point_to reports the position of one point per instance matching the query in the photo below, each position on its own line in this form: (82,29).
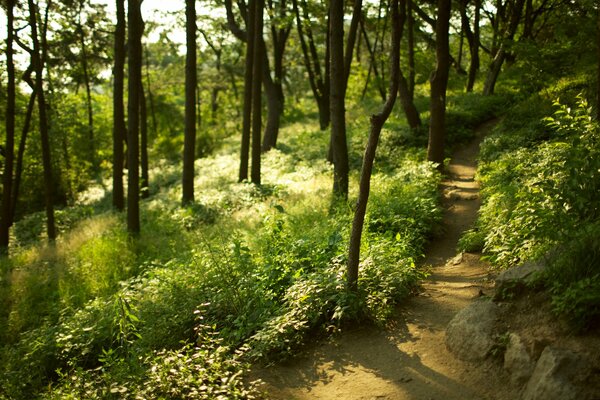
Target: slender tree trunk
(406,98)
(500,57)
(339,145)
(190,104)
(377,122)
(20,156)
(373,65)
(350,42)
(439,82)
(411,49)
(247,114)
(144,181)
(257,75)
(43,121)
(88,94)
(472,39)
(9,145)
(150,95)
(134,45)
(119,129)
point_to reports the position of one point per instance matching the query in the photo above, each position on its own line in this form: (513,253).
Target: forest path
(408,359)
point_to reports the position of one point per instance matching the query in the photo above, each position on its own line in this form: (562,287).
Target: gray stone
(554,376)
(516,279)
(470,334)
(517,360)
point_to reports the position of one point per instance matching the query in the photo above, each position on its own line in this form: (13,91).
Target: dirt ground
(408,359)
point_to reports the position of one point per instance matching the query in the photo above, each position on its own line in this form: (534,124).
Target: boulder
(554,376)
(516,279)
(517,360)
(470,334)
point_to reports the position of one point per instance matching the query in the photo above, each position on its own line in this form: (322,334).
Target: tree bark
(247,113)
(500,56)
(406,97)
(119,129)
(144,180)
(257,74)
(88,92)
(190,104)
(317,79)
(377,122)
(274,86)
(439,82)
(411,49)
(339,145)
(9,145)
(134,45)
(20,155)
(472,39)
(43,123)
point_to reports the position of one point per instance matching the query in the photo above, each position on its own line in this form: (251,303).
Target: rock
(554,376)
(516,279)
(517,360)
(470,334)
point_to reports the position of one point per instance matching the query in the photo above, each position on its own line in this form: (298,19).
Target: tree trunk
(9,145)
(472,39)
(439,82)
(134,45)
(257,75)
(377,122)
(339,145)
(247,114)
(356,17)
(119,129)
(88,94)
(189,146)
(144,181)
(317,79)
(150,95)
(372,65)
(411,49)
(406,98)
(500,56)
(21,155)
(43,121)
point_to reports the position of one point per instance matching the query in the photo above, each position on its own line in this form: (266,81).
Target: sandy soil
(408,359)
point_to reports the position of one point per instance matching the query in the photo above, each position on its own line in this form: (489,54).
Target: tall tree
(144,180)
(247,113)
(472,36)
(439,83)
(9,145)
(37,62)
(119,130)
(339,145)
(377,122)
(189,146)
(513,10)
(280,26)
(318,77)
(134,44)
(257,73)
(404,87)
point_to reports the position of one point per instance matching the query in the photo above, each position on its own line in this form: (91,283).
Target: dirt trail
(408,359)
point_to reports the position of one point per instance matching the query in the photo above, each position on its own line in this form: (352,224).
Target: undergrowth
(540,173)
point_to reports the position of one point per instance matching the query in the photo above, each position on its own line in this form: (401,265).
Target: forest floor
(408,358)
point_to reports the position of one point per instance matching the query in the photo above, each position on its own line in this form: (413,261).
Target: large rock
(554,376)
(517,360)
(470,334)
(516,279)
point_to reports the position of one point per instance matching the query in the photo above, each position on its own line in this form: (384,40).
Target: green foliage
(573,277)
(472,241)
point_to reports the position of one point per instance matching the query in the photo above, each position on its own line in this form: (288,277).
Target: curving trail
(408,359)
